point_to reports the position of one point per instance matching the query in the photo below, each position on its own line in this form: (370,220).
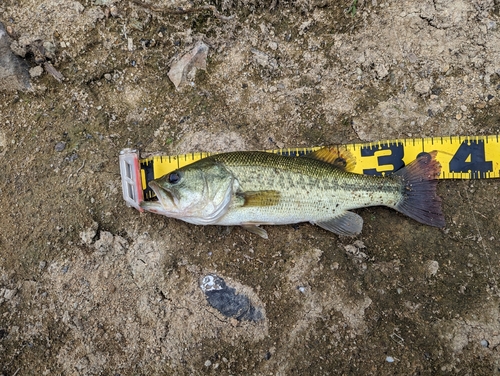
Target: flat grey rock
(14,73)
(227,301)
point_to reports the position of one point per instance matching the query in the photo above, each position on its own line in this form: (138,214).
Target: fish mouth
(165,197)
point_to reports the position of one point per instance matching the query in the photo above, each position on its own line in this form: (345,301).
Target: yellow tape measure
(461,157)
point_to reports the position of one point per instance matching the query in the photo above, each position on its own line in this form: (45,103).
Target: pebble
(36,71)
(114,11)
(432,268)
(445,67)
(88,235)
(484,343)
(381,71)
(423,87)
(389,359)
(9,294)
(60,146)
(208,363)
(195,59)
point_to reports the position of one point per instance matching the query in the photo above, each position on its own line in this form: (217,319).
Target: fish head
(199,193)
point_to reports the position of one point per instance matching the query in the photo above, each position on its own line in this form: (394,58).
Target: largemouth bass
(251,189)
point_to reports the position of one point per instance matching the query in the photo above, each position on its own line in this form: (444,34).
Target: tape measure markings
(461,157)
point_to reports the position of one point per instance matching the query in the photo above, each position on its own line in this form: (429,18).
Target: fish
(253,188)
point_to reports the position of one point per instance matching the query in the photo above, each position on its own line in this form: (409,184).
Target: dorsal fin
(338,156)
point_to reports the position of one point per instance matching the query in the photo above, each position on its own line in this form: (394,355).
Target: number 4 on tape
(470,157)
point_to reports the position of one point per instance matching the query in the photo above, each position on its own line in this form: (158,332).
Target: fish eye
(174,177)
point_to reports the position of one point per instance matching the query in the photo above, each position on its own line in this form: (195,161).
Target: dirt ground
(89,286)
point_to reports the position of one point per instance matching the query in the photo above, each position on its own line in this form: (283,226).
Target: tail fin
(420,200)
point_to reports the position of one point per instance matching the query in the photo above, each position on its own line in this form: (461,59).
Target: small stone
(114,11)
(381,70)
(485,343)
(432,268)
(389,359)
(88,235)
(105,242)
(60,146)
(423,87)
(107,76)
(273,46)
(208,363)
(73,157)
(195,59)
(42,264)
(436,90)
(480,105)
(9,294)
(359,244)
(459,116)
(445,67)
(36,71)
(50,49)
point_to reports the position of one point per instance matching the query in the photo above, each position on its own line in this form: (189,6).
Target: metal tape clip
(131,178)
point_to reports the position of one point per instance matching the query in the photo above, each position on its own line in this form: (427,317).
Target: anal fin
(348,224)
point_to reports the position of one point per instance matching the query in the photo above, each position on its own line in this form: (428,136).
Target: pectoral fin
(348,224)
(260,198)
(256,230)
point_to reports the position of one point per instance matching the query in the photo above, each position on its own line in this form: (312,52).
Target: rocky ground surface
(89,286)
